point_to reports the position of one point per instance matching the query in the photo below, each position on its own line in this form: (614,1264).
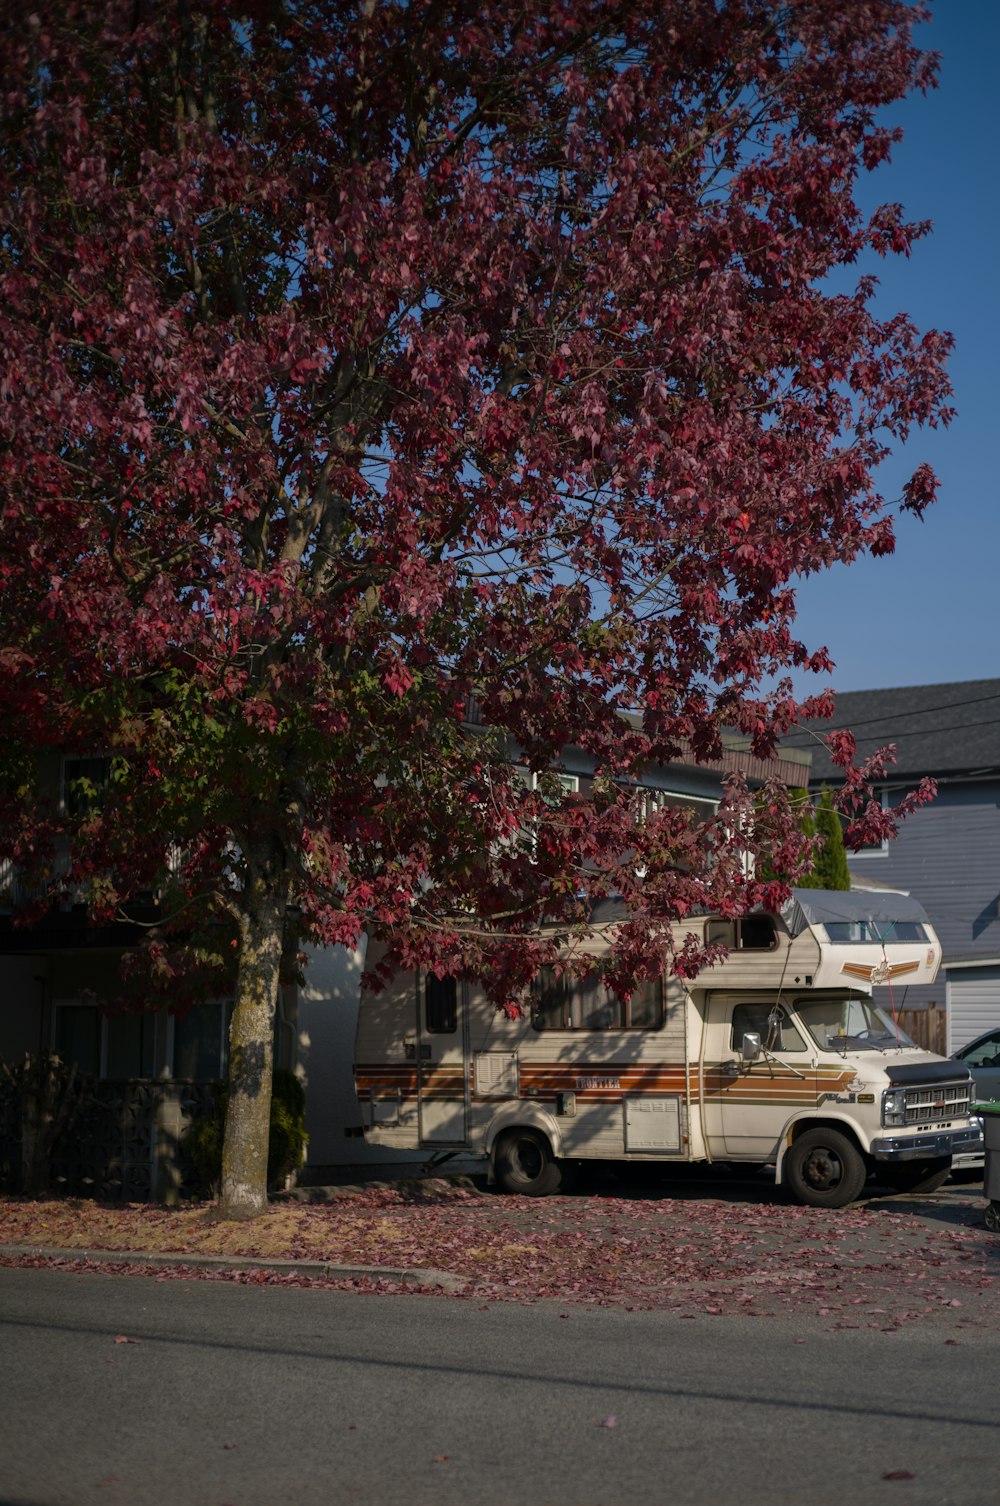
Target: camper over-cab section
(774,1055)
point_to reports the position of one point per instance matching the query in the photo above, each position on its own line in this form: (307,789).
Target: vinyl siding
(947,856)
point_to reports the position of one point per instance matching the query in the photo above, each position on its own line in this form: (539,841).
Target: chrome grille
(938,1101)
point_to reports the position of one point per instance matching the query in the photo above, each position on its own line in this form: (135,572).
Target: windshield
(854,1024)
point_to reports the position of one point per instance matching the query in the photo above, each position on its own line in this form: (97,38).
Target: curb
(406,1276)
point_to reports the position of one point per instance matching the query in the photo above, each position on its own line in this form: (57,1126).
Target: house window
(440,1005)
(874,849)
(77,1037)
(652,801)
(112,1046)
(553,787)
(549,782)
(569,1003)
(201,1042)
(128,1046)
(84,782)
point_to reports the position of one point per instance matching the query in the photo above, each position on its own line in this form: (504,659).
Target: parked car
(982,1057)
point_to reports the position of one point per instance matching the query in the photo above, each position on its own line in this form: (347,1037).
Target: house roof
(952,728)
(788,764)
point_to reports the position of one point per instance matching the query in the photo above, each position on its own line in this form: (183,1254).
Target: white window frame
(655,797)
(880,850)
(569,784)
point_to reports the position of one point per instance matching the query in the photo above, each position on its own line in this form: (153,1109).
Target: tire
(993,1217)
(824,1169)
(525,1164)
(918,1176)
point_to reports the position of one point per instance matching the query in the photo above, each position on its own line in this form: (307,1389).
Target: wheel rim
(823,1170)
(527,1158)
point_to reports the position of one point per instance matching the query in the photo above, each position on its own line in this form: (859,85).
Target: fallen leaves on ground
(865,1266)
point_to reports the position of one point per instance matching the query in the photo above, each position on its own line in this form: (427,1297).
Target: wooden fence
(926,1027)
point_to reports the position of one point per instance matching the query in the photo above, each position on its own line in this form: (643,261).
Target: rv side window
(779,1036)
(440,1005)
(843,932)
(752,933)
(549,999)
(592,1007)
(756,933)
(645,1008)
(721,933)
(586,1004)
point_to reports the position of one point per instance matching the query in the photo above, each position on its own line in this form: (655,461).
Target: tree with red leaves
(360,360)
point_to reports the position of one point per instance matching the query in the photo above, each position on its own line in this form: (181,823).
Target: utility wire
(894,716)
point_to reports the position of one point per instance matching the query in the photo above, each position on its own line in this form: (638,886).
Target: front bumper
(963,1142)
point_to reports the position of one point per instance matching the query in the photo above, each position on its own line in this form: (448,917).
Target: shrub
(287,1138)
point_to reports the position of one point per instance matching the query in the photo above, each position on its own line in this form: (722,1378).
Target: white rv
(776,1055)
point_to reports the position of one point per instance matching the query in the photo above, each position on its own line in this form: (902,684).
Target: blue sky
(928,613)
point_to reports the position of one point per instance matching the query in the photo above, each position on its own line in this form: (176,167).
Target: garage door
(973,999)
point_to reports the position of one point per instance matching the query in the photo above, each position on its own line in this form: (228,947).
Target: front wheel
(525,1164)
(918,1176)
(825,1169)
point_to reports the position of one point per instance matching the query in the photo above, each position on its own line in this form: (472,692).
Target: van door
(746,1105)
(442,1049)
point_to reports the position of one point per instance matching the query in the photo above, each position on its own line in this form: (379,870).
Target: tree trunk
(251,1034)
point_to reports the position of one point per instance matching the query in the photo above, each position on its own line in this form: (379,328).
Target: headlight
(894,1108)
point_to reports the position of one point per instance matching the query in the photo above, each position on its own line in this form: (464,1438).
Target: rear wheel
(917,1176)
(525,1164)
(825,1169)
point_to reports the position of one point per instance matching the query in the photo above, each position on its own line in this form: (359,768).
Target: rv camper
(775,1055)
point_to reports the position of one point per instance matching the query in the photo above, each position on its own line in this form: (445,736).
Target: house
(947,854)
(152,1072)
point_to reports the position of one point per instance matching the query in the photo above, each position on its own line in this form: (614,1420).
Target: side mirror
(750,1048)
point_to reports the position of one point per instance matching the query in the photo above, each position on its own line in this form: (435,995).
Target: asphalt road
(229,1395)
